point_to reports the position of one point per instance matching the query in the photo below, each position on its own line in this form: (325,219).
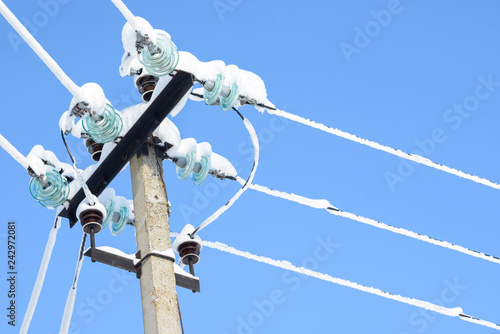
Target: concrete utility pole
(158,287)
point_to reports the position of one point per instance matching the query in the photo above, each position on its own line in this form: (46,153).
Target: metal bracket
(133,263)
(118,158)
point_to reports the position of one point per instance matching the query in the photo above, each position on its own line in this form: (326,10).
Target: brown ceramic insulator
(189,250)
(91,218)
(95,149)
(146,85)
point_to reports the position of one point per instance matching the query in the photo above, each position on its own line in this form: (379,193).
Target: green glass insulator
(184,172)
(213,95)
(229,102)
(164,59)
(118,220)
(53,193)
(199,177)
(107,128)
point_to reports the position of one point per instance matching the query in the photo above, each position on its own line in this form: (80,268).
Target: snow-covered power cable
(38,49)
(412,157)
(127,14)
(324,204)
(41,276)
(255,142)
(452,312)
(70,302)
(91,197)
(13,152)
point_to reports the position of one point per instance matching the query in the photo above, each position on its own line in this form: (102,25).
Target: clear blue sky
(393,83)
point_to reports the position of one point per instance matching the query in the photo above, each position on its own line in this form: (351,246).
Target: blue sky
(397,82)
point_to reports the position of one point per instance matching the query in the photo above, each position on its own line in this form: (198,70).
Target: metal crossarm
(159,109)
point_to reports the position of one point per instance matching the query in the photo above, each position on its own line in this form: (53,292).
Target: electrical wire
(91,197)
(225,207)
(127,14)
(35,294)
(180,316)
(38,49)
(70,302)
(324,204)
(412,157)
(452,312)
(13,152)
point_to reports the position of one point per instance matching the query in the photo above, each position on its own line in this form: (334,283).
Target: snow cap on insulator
(129,34)
(91,216)
(186,145)
(221,166)
(203,149)
(91,96)
(39,157)
(188,247)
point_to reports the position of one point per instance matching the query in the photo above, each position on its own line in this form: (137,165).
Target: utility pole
(158,288)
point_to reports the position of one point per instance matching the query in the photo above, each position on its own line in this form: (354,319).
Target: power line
(13,152)
(451,312)
(412,157)
(221,210)
(39,50)
(324,204)
(70,302)
(91,197)
(127,14)
(35,294)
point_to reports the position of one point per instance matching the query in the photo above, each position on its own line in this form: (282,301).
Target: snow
(74,187)
(203,71)
(185,236)
(416,236)
(84,205)
(66,122)
(412,157)
(37,288)
(161,84)
(92,94)
(70,302)
(313,203)
(37,165)
(38,155)
(82,180)
(479,322)
(221,166)
(13,152)
(167,132)
(133,25)
(324,204)
(249,84)
(224,208)
(39,50)
(178,270)
(109,195)
(187,145)
(116,252)
(130,64)
(203,149)
(77,129)
(452,312)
